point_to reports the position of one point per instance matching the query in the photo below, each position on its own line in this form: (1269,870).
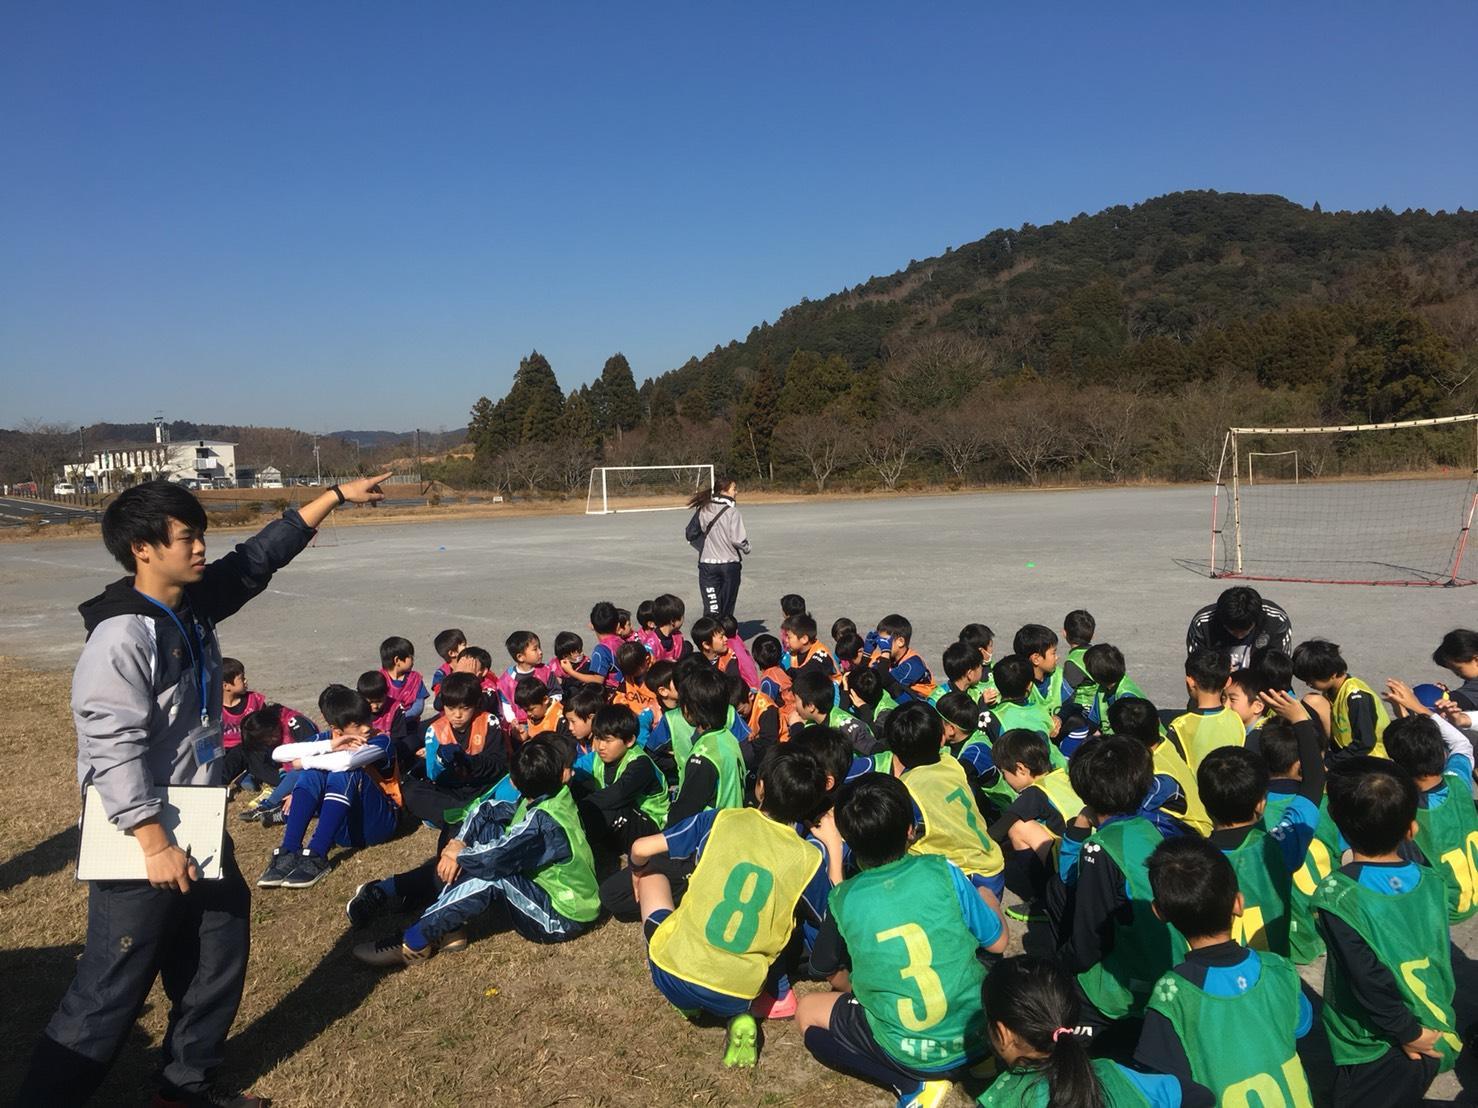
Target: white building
(121,465)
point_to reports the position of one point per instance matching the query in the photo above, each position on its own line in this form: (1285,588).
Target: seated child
(878,1024)
(713,645)
(792,604)
(1033,823)
(1227,1018)
(528,860)
(850,652)
(1036,1030)
(462,755)
(1037,646)
(864,693)
(1104,664)
(902,668)
(448,645)
(798,633)
(389,716)
(261,733)
(841,627)
(964,671)
(1014,708)
(605,621)
(1174,791)
(761,717)
(237,701)
(1357,718)
(541,712)
(1273,670)
(972,749)
(1388,984)
(634,663)
(1244,696)
(646,627)
(1458,653)
(573,666)
(774,680)
(478,662)
(348,780)
(983,639)
(668,611)
(713,774)
(629,798)
(1210,723)
(715,951)
(815,702)
(748,670)
(405,687)
(1078,628)
(528,661)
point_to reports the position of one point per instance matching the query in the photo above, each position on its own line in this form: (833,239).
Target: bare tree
(937,371)
(825,443)
(570,463)
(1200,416)
(960,435)
(528,464)
(42,451)
(1111,425)
(887,448)
(1027,432)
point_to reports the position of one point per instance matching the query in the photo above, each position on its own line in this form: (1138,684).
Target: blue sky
(362,214)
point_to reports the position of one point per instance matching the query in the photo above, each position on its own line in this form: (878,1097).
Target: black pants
(1391,1081)
(196,941)
(719,584)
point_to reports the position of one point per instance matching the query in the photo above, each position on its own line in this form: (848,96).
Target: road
(17,511)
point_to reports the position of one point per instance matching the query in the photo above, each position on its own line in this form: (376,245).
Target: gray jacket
(727,541)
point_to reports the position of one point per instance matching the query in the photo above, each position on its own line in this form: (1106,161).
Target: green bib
(1025,717)
(1243,1046)
(1407,932)
(1083,694)
(1304,941)
(914,968)
(654,804)
(1102,701)
(1052,698)
(571,885)
(1028,1088)
(1448,836)
(682,742)
(998,794)
(1267,888)
(1340,732)
(721,749)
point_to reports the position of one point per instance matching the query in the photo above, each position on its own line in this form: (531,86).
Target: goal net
(644,488)
(1368,504)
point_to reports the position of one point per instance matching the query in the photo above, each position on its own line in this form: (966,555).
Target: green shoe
(1026,912)
(741,1047)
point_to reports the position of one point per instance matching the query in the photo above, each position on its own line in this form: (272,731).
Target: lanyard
(197,654)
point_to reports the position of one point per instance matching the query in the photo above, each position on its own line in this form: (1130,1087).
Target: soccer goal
(644,488)
(1362,504)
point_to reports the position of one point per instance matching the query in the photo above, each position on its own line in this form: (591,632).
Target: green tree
(812,383)
(621,405)
(1394,369)
(755,420)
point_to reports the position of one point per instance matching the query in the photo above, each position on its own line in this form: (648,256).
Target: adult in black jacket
(1240,622)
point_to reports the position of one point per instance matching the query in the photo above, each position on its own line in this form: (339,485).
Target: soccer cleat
(1026,912)
(368,901)
(207,1098)
(274,817)
(309,870)
(278,870)
(741,1045)
(929,1094)
(391,952)
(250,814)
(768,1007)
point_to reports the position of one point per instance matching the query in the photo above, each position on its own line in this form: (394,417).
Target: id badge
(206,741)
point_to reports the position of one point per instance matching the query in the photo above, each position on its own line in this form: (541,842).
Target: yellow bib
(1339,717)
(1169,762)
(1059,791)
(1201,734)
(953,825)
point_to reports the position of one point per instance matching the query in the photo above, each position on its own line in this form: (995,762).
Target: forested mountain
(1111,345)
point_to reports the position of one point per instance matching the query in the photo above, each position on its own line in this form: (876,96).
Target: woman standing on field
(716,531)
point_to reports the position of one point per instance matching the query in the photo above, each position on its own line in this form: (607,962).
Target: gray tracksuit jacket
(727,541)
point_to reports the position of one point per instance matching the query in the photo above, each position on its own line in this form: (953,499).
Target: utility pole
(317,463)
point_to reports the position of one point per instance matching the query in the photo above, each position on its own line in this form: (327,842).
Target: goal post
(1368,504)
(644,488)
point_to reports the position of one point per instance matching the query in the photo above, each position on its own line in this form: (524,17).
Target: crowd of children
(778,810)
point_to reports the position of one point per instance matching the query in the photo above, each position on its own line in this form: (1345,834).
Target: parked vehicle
(64,488)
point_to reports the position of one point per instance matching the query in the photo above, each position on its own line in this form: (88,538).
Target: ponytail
(1035,999)
(703,497)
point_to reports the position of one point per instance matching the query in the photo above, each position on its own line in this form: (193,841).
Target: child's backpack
(696,534)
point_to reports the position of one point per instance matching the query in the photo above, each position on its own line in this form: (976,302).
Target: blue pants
(996,884)
(282,790)
(520,903)
(352,810)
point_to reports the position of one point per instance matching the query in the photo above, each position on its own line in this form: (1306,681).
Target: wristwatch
(337,492)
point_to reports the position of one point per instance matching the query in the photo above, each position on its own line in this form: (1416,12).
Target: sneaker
(929,1094)
(207,1098)
(390,952)
(278,870)
(369,901)
(250,814)
(453,942)
(1028,911)
(741,1045)
(310,870)
(768,1007)
(273,817)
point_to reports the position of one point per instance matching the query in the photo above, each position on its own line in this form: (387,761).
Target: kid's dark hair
(977,635)
(1194,886)
(792,604)
(659,674)
(395,648)
(915,734)
(142,514)
(703,695)
(1248,682)
(896,626)
(842,626)
(1279,747)
(703,630)
(738,690)
(1239,607)
(1317,660)
(867,684)
(262,729)
(1274,669)
(646,614)
(1034,638)
(1079,626)
(616,721)
(341,707)
(632,660)
(567,643)
(1013,676)
(447,641)
(1372,802)
(1027,747)
(729,625)
(802,625)
(960,709)
(794,783)
(830,747)
(874,814)
(538,767)
(604,617)
(518,642)
(1209,669)
(668,609)
(1415,744)
(849,646)
(372,685)
(1112,774)
(231,669)
(959,659)
(1456,646)
(584,701)
(623,617)
(814,688)
(1136,717)
(478,655)
(528,691)
(1104,663)
(1036,999)
(766,650)
(1232,782)
(461,690)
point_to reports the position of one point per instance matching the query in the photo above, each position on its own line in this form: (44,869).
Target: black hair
(977,635)
(792,604)
(814,688)
(1317,660)
(737,689)
(703,630)
(832,749)
(794,783)
(1456,646)
(393,648)
(1013,676)
(1033,638)
(704,697)
(567,643)
(340,706)
(585,701)
(1079,627)
(478,655)
(372,685)
(632,659)
(623,617)
(1194,886)
(1232,782)
(915,734)
(142,514)
(1248,682)
(849,645)
(659,674)
(1239,607)
(1415,744)
(1112,774)
(874,814)
(703,497)
(528,690)
(604,617)
(538,767)
(867,684)
(1372,802)
(1036,999)
(646,613)
(616,721)
(766,651)
(1020,744)
(1136,717)
(461,690)
(1274,669)
(446,640)
(1209,669)
(896,626)
(802,624)
(518,642)
(842,626)
(1279,747)
(668,609)
(1104,664)
(959,659)
(231,669)
(729,626)
(960,709)
(261,730)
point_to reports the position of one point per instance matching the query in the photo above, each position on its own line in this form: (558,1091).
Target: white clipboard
(194,815)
